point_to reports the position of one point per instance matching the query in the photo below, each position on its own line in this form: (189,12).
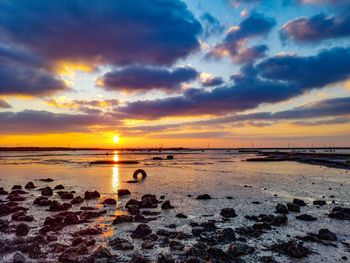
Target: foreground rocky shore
(47,222)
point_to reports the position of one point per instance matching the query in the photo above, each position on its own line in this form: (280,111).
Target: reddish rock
(46,191)
(67,196)
(71,219)
(56,206)
(29,185)
(22,229)
(18,192)
(22,216)
(91,195)
(109,201)
(16,198)
(77,200)
(123,192)
(42,201)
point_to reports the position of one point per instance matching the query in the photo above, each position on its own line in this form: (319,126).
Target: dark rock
(56,206)
(18,192)
(157,158)
(46,191)
(256,203)
(162,197)
(180,215)
(139,171)
(109,201)
(16,187)
(77,200)
(291,248)
(325,234)
(319,202)
(42,201)
(22,216)
(71,219)
(340,213)
(133,209)
(167,205)
(59,187)
(293,207)
(282,209)
(122,219)
(299,202)
(91,195)
(132,202)
(29,185)
(226,235)
(18,258)
(102,252)
(149,201)
(166,259)
(123,192)
(306,217)
(89,232)
(121,244)
(197,230)
(279,220)
(228,212)
(170,157)
(15,198)
(141,231)
(176,245)
(147,244)
(239,248)
(204,197)
(22,229)
(47,180)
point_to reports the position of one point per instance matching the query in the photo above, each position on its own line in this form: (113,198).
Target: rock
(166,259)
(226,235)
(122,219)
(149,201)
(167,205)
(46,191)
(109,201)
(293,207)
(197,230)
(56,206)
(306,217)
(67,196)
(141,231)
(180,215)
(239,248)
(102,252)
(123,192)
(42,201)
(22,229)
(170,157)
(147,244)
(132,202)
(176,245)
(89,232)
(325,234)
(47,180)
(133,209)
(139,171)
(29,185)
(121,244)
(340,213)
(204,197)
(282,209)
(16,187)
(22,216)
(228,212)
(279,220)
(18,258)
(319,202)
(77,200)
(91,195)
(3,192)
(157,158)
(132,181)
(59,187)
(18,192)
(299,202)
(16,198)
(76,241)
(291,248)
(71,219)
(256,203)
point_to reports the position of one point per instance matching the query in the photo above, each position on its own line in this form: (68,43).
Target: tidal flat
(199,206)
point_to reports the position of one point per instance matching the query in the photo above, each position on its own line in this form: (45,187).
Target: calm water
(218,173)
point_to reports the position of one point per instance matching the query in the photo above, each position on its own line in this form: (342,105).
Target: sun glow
(116,139)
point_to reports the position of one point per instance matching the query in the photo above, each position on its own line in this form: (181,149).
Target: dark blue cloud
(31,121)
(316,28)
(235,43)
(213,81)
(110,31)
(327,67)
(275,79)
(211,25)
(141,78)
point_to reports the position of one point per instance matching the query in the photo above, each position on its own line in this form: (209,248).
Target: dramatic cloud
(4,104)
(316,28)
(211,25)
(22,72)
(313,71)
(212,81)
(30,121)
(235,42)
(110,31)
(141,78)
(273,80)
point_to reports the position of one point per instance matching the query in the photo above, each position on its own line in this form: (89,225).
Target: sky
(175,73)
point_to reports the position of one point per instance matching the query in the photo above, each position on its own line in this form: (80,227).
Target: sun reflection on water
(115,173)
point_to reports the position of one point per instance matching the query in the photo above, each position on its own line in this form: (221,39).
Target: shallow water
(218,173)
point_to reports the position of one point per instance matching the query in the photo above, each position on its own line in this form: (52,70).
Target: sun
(116,138)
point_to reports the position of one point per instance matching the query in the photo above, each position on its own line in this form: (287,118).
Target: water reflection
(115,173)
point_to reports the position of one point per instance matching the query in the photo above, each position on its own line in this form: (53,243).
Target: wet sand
(250,189)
